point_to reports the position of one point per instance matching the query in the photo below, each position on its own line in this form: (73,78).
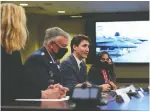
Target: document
(62,99)
(126,89)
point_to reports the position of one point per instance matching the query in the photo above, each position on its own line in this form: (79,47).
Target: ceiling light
(61,11)
(23,4)
(76,16)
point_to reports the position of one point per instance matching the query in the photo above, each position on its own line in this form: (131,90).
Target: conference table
(135,104)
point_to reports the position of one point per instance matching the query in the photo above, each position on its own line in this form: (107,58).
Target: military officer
(41,70)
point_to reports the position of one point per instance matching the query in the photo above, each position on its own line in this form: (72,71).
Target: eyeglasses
(56,44)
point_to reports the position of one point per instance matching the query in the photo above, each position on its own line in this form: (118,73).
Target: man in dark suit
(73,67)
(41,70)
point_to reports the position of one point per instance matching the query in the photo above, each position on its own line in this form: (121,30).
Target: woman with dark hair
(111,70)
(102,72)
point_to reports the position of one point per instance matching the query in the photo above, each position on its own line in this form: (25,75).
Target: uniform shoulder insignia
(42,53)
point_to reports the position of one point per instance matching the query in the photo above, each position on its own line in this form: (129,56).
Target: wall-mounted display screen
(125,41)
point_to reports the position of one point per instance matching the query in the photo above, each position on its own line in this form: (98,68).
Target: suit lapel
(74,64)
(76,68)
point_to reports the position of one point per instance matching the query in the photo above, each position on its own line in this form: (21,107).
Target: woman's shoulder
(14,55)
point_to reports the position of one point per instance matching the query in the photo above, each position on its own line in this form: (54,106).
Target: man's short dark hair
(76,40)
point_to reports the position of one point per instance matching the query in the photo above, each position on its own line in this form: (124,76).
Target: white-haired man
(42,78)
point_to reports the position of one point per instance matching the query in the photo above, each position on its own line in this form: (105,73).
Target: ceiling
(81,7)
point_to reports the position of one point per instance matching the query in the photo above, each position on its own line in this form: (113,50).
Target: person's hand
(55,85)
(54,92)
(105,87)
(113,85)
(63,90)
(80,84)
(88,84)
(51,93)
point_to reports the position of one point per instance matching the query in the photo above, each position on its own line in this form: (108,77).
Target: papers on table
(62,99)
(129,90)
(126,90)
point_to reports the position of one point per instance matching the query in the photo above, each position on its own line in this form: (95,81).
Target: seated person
(74,74)
(102,71)
(73,68)
(111,70)
(41,77)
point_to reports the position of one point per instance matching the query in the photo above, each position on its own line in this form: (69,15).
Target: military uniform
(40,71)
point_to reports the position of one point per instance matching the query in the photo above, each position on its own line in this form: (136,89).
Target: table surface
(135,104)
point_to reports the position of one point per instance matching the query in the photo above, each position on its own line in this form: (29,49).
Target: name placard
(124,96)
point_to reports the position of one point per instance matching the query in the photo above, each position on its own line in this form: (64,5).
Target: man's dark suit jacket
(70,72)
(39,72)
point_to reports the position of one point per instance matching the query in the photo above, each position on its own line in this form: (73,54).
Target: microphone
(84,85)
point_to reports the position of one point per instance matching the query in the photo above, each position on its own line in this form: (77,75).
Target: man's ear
(74,47)
(50,44)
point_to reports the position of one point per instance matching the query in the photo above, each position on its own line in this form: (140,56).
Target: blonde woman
(13,38)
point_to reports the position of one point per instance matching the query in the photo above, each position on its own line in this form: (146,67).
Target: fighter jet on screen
(117,45)
(143,40)
(132,40)
(113,45)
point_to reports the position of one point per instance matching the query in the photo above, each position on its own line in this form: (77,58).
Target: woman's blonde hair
(13,27)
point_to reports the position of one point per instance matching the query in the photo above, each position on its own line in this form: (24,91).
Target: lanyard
(105,76)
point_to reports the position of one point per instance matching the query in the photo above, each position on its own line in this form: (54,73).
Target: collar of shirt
(78,61)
